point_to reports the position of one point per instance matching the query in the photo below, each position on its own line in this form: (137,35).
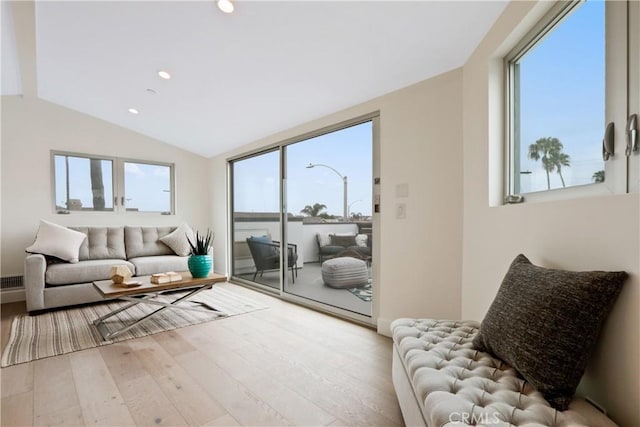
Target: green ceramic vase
(200,265)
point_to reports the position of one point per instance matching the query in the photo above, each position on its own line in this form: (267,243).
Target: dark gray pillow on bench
(545,322)
(344,241)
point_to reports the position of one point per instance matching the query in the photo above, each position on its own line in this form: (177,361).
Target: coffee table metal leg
(121,309)
(106,334)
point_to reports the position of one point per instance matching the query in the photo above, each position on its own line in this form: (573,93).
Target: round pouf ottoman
(345,272)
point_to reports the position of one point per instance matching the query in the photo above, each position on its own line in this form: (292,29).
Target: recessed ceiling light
(164,74)
(225,5)
(133,111)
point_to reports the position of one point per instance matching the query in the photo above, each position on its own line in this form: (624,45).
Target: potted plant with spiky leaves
(201,261)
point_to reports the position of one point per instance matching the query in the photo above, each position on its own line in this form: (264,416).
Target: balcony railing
(301,232)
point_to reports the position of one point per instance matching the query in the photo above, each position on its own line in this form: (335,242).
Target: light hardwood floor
(286,365)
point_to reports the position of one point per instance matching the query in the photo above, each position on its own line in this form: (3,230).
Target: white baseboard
(384,327)
(12,295)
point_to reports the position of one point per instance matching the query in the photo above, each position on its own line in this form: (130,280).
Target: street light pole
(345,207)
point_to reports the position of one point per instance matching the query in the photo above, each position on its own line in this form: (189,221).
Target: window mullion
(119,180)
(616,92)
(634,87)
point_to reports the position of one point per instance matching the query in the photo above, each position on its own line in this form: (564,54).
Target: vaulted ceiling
(235,78)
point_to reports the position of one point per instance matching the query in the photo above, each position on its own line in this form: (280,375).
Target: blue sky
(148,187)
(349,151)
(562,96)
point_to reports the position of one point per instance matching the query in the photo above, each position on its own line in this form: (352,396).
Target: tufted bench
(441,380)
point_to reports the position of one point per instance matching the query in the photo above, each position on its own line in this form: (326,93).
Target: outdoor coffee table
(145,294)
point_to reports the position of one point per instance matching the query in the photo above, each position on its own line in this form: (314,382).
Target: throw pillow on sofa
(57,241)
(178,240)
(362,240)
(545,322)
(346,241)
(324,239)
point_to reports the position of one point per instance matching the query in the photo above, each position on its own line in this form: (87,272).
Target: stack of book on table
(169,276)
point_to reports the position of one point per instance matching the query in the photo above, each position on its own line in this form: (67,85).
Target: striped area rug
(64,331)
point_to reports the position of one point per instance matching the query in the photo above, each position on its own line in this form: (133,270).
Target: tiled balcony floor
(309,284)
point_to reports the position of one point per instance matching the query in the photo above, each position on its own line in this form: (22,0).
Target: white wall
(420,145)
(580,234)
(31,128)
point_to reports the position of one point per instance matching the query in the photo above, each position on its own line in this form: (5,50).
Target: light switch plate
(402,190)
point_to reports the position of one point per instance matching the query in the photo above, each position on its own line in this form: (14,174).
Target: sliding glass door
(255,200)
(303,222)
(329,216)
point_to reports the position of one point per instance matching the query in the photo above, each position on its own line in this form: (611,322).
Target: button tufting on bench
(450,376)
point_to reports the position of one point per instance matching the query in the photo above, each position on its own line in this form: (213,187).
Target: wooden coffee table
(145,294)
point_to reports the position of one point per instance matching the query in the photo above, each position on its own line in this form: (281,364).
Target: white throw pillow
(361,240)
(177,240)
(324,239)
(57,241)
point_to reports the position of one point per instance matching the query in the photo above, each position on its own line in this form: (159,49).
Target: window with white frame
(87,183)
(83,183)
(566,80)
(147,187)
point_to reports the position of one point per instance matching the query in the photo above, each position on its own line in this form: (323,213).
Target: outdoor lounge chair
(266,255)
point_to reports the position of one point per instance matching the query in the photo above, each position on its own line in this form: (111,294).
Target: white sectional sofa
(50,283)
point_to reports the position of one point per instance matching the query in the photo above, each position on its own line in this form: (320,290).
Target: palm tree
(549,152)
(561,159)
(598,176)
(314,210)
(97,186)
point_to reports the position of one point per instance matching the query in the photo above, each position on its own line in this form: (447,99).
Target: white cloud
(133,169)
(161,171)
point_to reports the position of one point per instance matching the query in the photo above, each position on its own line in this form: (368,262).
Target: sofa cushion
(332,250)
(83,272)
(102,243)
(145,241)
(545,322)
(178,240)
(57,241)
(159,264)
(345,241)
(362,250)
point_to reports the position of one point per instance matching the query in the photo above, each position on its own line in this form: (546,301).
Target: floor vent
(11,282)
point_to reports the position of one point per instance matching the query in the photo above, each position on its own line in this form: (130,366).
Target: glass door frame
(375,185)
(231,222)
